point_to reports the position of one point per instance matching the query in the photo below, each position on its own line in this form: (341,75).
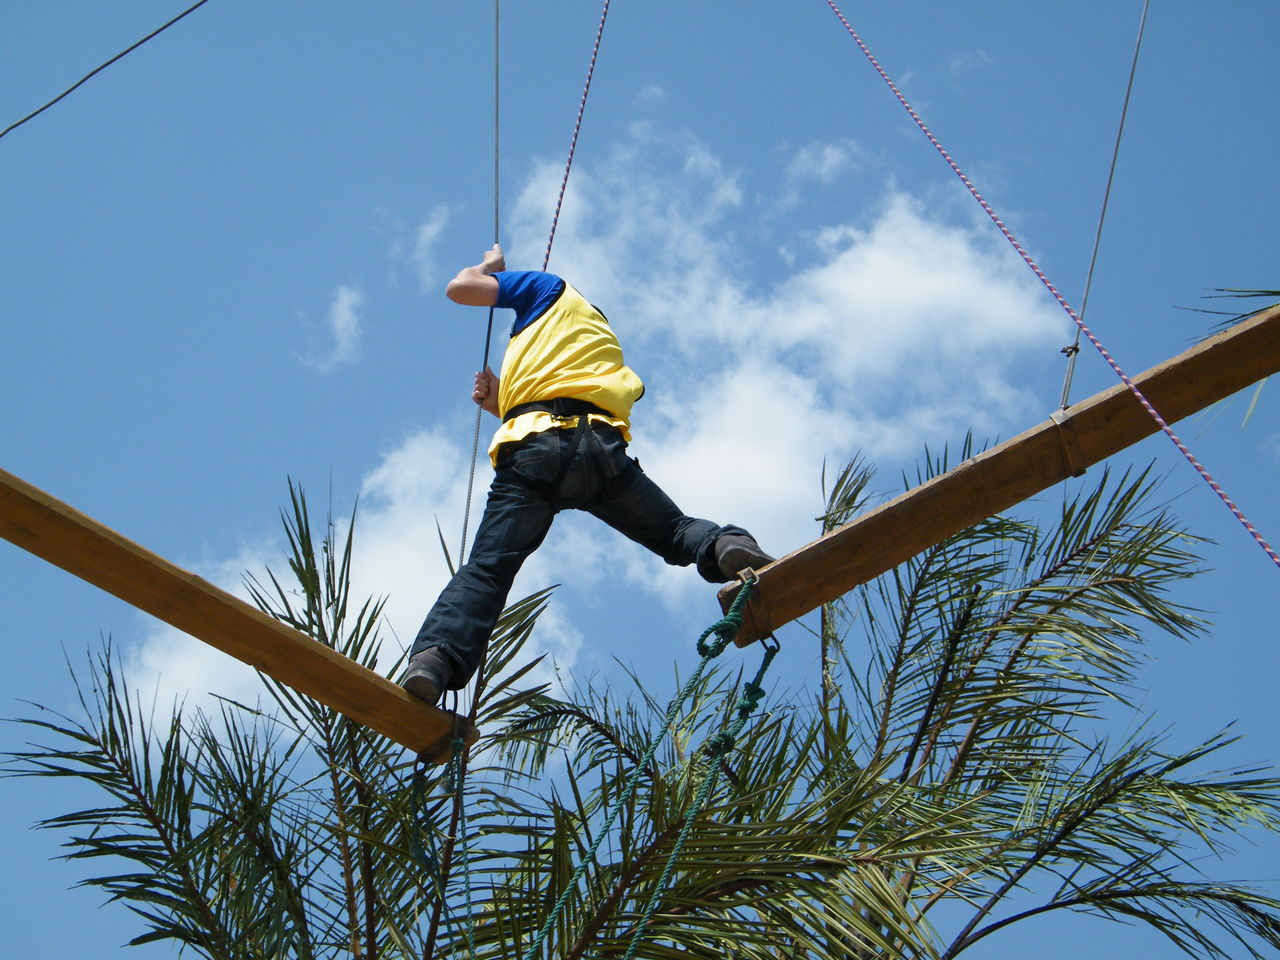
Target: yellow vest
(561,346)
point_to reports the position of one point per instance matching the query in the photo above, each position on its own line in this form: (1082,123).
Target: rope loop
(727,627)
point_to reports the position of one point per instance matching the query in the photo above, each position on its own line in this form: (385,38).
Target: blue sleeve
(528,292)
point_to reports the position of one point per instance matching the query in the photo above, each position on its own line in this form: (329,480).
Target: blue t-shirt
(530,293)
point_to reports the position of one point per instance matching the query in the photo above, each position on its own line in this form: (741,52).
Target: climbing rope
(577,126)
(456,773)
(497,238)
(724,631)
(555,219)
(1073,350)
(1062,302)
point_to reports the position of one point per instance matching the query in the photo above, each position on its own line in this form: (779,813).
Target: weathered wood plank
(1085,434)
(51,529)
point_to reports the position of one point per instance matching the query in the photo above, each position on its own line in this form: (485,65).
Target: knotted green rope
(724,631)
(718,746)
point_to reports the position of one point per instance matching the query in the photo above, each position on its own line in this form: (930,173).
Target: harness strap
(556,406)
(574,443)
(565,408)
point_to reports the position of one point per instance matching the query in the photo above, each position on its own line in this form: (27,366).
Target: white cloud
(886,334)
(821,162)
(425,239)
(969,60)
(908,302)
(343,326)
(657,195)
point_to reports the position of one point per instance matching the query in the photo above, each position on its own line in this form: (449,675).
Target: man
(564,399)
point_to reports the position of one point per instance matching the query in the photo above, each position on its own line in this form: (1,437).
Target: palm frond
(954,757)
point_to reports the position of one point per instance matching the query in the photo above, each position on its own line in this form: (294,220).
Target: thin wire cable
(577,126)
(1073,351)
(1062,302)
(497,206)
(97,70)
(497,125)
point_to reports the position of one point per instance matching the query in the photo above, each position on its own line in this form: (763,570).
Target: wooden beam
(67,538)
(1082,435)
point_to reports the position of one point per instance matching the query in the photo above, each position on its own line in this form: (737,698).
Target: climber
(564,399)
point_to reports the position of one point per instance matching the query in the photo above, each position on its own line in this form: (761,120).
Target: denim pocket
(536,459)
(609,453)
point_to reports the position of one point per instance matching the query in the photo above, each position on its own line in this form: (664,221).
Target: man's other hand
(485,391)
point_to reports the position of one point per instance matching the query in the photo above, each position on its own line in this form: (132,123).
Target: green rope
(718,747)
(724,630)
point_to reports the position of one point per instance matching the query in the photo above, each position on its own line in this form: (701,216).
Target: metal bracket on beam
(1070,442)
(755,616)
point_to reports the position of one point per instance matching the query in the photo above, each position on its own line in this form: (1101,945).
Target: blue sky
(224,257)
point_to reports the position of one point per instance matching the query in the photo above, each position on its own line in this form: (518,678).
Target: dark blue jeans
(536,479)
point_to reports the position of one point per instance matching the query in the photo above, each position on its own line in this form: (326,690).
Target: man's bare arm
(475,286)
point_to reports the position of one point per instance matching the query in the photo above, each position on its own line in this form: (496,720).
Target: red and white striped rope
(1008,235)
(577,126)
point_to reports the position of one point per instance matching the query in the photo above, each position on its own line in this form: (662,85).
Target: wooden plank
(49,528)
(996,479)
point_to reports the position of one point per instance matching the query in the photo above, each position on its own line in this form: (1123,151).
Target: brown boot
(428,674)
(736,552)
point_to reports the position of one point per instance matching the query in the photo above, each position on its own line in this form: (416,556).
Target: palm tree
(948,777)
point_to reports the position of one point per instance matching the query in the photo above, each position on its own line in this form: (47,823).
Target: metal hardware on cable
(1073,351)
(1062,301)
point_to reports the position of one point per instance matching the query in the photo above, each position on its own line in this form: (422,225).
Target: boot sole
(422,687)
